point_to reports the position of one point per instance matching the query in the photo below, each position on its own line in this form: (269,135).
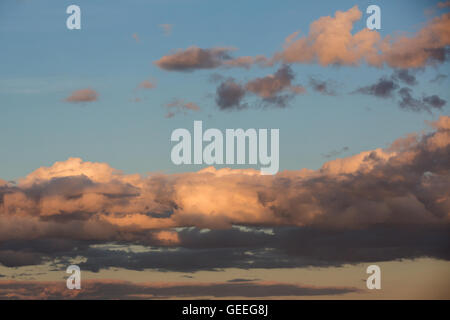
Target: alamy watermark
(237,143)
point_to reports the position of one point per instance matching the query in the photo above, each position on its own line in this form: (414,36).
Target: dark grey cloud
(427,103)
(275,90)
(335,153)
(324,87)
(406,76)
(229,95)
(384,88)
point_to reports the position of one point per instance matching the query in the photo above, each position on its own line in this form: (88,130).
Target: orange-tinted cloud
(147,84)
(83,95)
(332,41)
(402,191)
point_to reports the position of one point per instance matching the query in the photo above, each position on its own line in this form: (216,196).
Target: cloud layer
(109,289)
(381,204)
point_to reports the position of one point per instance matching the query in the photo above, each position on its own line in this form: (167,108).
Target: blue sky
(43,62)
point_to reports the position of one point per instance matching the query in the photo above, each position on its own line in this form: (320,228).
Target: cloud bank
(378,205)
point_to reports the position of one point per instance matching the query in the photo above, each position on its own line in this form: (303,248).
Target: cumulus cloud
(379,205)
(114,289)
(82,95)
(330,41)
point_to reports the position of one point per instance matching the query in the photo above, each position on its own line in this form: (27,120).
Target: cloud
(428,46)
(406,76)
(229,95)
(269,86)
(114,289)
(330,42)
(443,4)
(83,95)
(335,153)
(194,58)
(274,90)
(324,87)
(180,106)
(378,205)
(147,84)
(427,103)
(166,28)
(384,88)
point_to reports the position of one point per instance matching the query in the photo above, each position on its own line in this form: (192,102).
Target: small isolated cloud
(324,87)
(166,28)
(427,103)
(180,106)
(83,95)
(147,84)
(384,88)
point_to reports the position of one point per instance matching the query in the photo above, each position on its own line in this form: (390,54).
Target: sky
(86,175)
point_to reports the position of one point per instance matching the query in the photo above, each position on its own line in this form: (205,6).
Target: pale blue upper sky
(42,62)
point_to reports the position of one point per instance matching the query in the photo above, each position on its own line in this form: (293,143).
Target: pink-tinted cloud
(401,191)
(83,95)
(194,58)
(331,40)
